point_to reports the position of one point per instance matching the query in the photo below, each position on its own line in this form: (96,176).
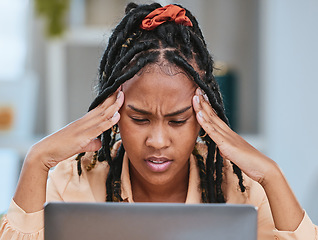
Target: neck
(174,191)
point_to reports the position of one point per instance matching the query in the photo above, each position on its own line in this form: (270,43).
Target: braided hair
(130,49)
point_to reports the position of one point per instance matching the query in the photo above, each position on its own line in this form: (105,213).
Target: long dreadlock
(130,49)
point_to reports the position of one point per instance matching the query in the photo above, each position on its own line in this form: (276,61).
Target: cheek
(186,136)
(125,128)
(192,129)
(130,136)
(194,132)
(123,125)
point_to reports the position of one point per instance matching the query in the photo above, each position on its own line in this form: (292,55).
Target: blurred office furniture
(18,106)
(227,80)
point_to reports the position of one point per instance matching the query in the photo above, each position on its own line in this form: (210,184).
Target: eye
(177,123)
(140,120)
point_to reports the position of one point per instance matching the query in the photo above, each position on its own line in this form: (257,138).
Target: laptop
(143,221)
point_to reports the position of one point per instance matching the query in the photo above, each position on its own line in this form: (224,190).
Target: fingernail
(205,97)
(200,114)
(115,114)
(197,99)
(118,94)
(200,91)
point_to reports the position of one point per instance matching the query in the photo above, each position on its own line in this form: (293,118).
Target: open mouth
(158,164)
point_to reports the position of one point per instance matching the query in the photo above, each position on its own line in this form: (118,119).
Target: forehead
(160,78)
(159,88)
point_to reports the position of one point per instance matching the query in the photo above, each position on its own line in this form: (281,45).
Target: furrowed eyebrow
(166,115)
(139,110)
(178,112)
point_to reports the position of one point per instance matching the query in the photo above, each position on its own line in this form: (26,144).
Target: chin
(159,180)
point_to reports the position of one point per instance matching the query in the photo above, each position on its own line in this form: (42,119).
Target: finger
(200,97)
(212,130)
(105,119)
(84,140)
(210,127)
(108,109)
(204,100)
(206,107)
(105,125)
(95,122)
(103,112)
(93,146)
(196,103)
(110,116)
(210,112)
(207,117)
(200,105)
(200,92)
(109,100)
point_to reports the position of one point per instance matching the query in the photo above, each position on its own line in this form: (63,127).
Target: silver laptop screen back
(155,221)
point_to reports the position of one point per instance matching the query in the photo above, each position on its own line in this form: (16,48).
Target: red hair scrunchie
(164,14)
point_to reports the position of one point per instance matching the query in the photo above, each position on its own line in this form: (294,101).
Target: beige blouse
(64,184)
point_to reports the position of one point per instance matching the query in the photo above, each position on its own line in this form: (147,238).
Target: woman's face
(158,125)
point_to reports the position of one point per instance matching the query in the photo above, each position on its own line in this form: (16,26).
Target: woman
(157,88)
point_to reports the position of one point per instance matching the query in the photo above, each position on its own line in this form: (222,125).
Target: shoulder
(65,183)
(68,167)
(254,193)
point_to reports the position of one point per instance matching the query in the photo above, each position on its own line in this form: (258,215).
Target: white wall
(289,67)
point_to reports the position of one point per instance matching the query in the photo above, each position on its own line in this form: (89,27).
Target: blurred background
(265,50)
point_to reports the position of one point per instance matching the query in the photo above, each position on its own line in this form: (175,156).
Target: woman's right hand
(80,135)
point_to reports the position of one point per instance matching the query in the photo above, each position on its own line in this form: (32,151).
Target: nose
(158,137)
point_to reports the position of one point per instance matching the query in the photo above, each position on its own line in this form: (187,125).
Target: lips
(158,164)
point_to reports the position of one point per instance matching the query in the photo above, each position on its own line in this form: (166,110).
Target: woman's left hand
(232,146)
(286,210)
